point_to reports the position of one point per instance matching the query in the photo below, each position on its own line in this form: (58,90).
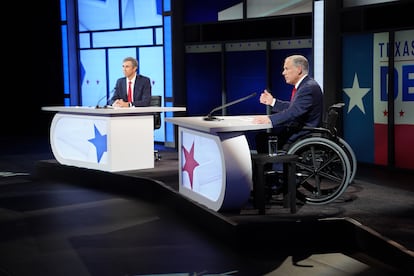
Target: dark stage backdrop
(203,76)
(245,74)
(244,71)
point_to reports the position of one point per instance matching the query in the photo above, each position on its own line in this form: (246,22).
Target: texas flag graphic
(365,93)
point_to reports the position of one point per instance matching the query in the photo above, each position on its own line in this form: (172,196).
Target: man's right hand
(120,103)
(266,98)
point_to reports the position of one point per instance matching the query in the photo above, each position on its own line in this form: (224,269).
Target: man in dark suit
(304,109)
(133,89)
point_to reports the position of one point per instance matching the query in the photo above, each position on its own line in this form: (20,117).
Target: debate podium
(107,139)
(215,167)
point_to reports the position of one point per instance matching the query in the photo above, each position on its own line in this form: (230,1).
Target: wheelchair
(326,163)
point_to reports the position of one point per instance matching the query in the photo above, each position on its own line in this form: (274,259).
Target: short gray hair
(299,60)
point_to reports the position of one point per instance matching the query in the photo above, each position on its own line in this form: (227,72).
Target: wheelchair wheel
(351,156)
(323,170)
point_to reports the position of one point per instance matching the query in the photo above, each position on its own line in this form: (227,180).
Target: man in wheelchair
(305,107)
(326,164)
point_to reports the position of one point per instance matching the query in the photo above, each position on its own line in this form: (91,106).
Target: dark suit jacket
(305,109)
(141,94)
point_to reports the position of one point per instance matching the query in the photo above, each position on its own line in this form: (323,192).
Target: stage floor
(60,220)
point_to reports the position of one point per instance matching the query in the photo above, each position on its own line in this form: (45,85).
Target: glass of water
(272,145)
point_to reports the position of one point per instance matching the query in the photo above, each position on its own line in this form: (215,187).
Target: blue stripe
(359,127)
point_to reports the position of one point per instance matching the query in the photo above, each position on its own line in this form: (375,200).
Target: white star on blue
(355,94)
(100,143)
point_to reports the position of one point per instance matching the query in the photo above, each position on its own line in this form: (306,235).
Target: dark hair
(133,60)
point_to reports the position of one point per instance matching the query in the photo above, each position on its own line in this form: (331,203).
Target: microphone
(212,118)
(100,100)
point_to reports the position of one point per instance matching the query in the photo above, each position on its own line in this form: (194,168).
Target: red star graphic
(385,113)
(190,163)
(402,113)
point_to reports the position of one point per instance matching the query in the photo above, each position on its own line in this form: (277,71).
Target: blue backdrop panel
(205,11)
(357,60)
(203,77)
(245,74)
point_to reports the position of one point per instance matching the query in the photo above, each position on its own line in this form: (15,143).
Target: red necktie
(129,92)
(293,93)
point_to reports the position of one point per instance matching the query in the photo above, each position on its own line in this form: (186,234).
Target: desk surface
(111,110)
(224,124)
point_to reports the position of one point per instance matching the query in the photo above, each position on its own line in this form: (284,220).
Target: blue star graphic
(100,143)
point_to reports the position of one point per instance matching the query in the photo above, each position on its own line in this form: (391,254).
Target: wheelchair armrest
(337,106)
(321,130)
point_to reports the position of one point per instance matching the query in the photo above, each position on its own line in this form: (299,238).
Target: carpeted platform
(319,229)
(62,220)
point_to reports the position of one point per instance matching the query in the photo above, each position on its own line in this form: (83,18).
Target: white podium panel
(103,143)
(215,170)
(215,167)
(108,139)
